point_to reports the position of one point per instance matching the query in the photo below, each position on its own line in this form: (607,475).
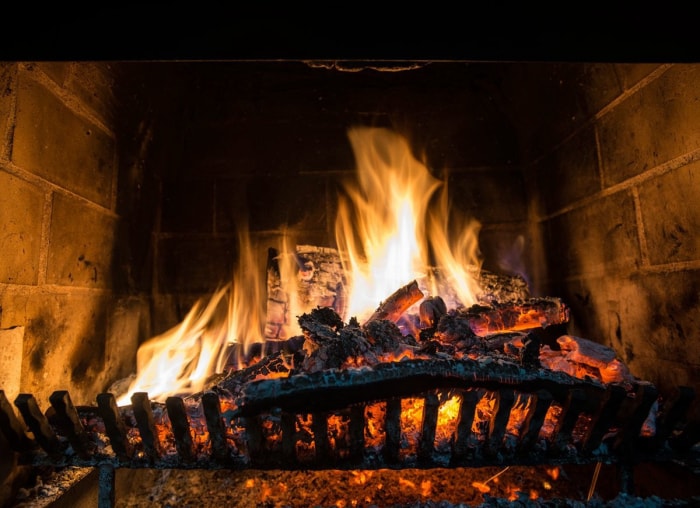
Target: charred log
(393,307)
(484,320)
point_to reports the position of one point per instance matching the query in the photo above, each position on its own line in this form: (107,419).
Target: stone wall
(60,274)
(615,184)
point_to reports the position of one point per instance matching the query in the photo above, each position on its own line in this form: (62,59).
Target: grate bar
(428,427)
(504,400)
(181,428)
(114,425)
(38,424)
(534,420)
(68,422)
(465,420)
(215,425)
(11,427)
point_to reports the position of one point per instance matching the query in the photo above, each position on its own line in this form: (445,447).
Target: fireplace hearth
(128,186)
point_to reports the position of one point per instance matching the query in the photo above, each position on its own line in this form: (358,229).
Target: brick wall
(616,184)
(60,274)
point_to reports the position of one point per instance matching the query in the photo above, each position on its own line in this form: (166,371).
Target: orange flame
(388,229)
(382,230)
(181,360)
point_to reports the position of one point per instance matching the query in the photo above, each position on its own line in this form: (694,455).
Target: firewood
(393,307)
(485,320)
(431,310)
(318,281)
(579,356)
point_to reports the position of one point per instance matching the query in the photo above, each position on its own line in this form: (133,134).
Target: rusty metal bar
(181,427)
(674,411)
(319,426)
(68,422)
(645,396)
(37,423)
(426,443)
(536,414)
(106,486)
(12,428)
(114,425)
(572,409)
(505,398)
(143,414)
(603,419)
(356,429)
(392,428)
(215,425)
(465,420)
(288,421)
(255,438)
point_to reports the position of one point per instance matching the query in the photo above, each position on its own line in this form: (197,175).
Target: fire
(181,360)
(393,226)
(389,226)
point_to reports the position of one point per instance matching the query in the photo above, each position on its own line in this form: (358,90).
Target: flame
(388,225)
(392,222)
(181,360)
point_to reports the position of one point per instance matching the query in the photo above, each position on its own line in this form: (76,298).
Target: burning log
(393,307)
(579,357)
(319,281)
(485,320)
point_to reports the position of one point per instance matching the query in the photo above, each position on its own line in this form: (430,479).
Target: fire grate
(292,423)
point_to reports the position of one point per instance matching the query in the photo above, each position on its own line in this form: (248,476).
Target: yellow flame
(389,224)
(181,360)
(389,228)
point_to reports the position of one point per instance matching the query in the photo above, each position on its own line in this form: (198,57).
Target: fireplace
(128,184)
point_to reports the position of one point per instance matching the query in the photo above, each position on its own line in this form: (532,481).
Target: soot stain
(43,329)
(37,357)
(89,355)
(89,265)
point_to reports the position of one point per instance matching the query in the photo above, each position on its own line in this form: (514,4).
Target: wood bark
(393,307)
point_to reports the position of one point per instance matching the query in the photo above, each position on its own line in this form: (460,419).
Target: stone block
(490,196)
(567,175)
(53,142)
(600,237)
(64,341)
(11,345)
(8,90)
(653,126)
(632,73)
(128,325)
(648,318)
(57,71)
(554,100)
(21,216)
(188,207)
(264,146)
(93,84)
(193,264)
(81,246)
(231,204)
(507,250)
(671,215)
(298,201)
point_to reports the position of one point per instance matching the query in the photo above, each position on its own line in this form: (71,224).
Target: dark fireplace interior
(126,186)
